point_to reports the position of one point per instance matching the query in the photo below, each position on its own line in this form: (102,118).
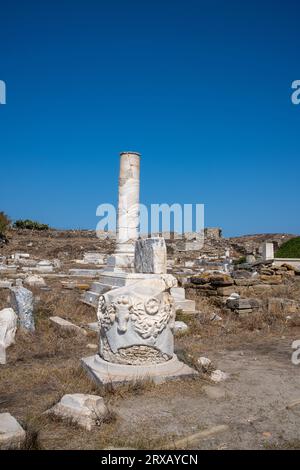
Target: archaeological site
(149,232)
(191,337)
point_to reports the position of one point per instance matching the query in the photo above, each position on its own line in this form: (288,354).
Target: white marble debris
(233,296)
(180,326)
(17,256)
(34,280)
(5,284)
(93,257)
(92,346)
(204,362)
(85,410)
(67,325)
(218,376)
(45,266)
(214,317)
(8,328)
(22,302)
(150,256)
(94,326)
(12,435)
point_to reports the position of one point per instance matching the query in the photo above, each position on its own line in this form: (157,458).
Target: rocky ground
(256,407)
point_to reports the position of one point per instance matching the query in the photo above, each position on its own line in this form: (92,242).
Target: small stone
(234,296)
(180,326)
(85,410)
(12,435)
(214,317)
(94,326)
(92,346)
(204,362)
(218,376)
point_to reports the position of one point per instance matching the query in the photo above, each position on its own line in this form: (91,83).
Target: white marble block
(151,256)
(8,328)
(84,410)
(268,251)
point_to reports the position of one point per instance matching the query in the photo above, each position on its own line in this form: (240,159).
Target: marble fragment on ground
(12,435)
(84,410)
(8,328)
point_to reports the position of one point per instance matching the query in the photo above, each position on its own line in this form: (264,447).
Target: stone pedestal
(136,334)
(103,372)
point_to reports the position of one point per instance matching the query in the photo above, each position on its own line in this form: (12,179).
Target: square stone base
(103,372)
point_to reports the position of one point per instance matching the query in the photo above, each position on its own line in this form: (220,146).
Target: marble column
(128,212)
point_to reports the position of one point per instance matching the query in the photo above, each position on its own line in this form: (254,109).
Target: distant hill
(289,249)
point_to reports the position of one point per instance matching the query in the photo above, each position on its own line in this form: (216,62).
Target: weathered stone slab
(8,269)
(94,257)
(85,272)
(22,302)
(85,410)
(151,256)
(12,435)
(239,304)
(66,325)
(246,282)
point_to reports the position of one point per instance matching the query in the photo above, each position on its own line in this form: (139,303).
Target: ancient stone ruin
(136,310)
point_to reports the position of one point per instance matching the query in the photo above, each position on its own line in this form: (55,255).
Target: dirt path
(262,382)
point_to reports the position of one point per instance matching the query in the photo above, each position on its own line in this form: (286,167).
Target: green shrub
(4,223)
(289,249)
(30,225)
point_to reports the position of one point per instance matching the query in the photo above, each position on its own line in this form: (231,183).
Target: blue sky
(201,88)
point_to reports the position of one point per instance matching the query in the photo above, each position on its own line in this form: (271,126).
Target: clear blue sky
(200,88)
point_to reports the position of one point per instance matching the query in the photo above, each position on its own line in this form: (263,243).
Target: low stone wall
(294,262)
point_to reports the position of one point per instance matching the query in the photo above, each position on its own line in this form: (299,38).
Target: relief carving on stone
(135,329)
